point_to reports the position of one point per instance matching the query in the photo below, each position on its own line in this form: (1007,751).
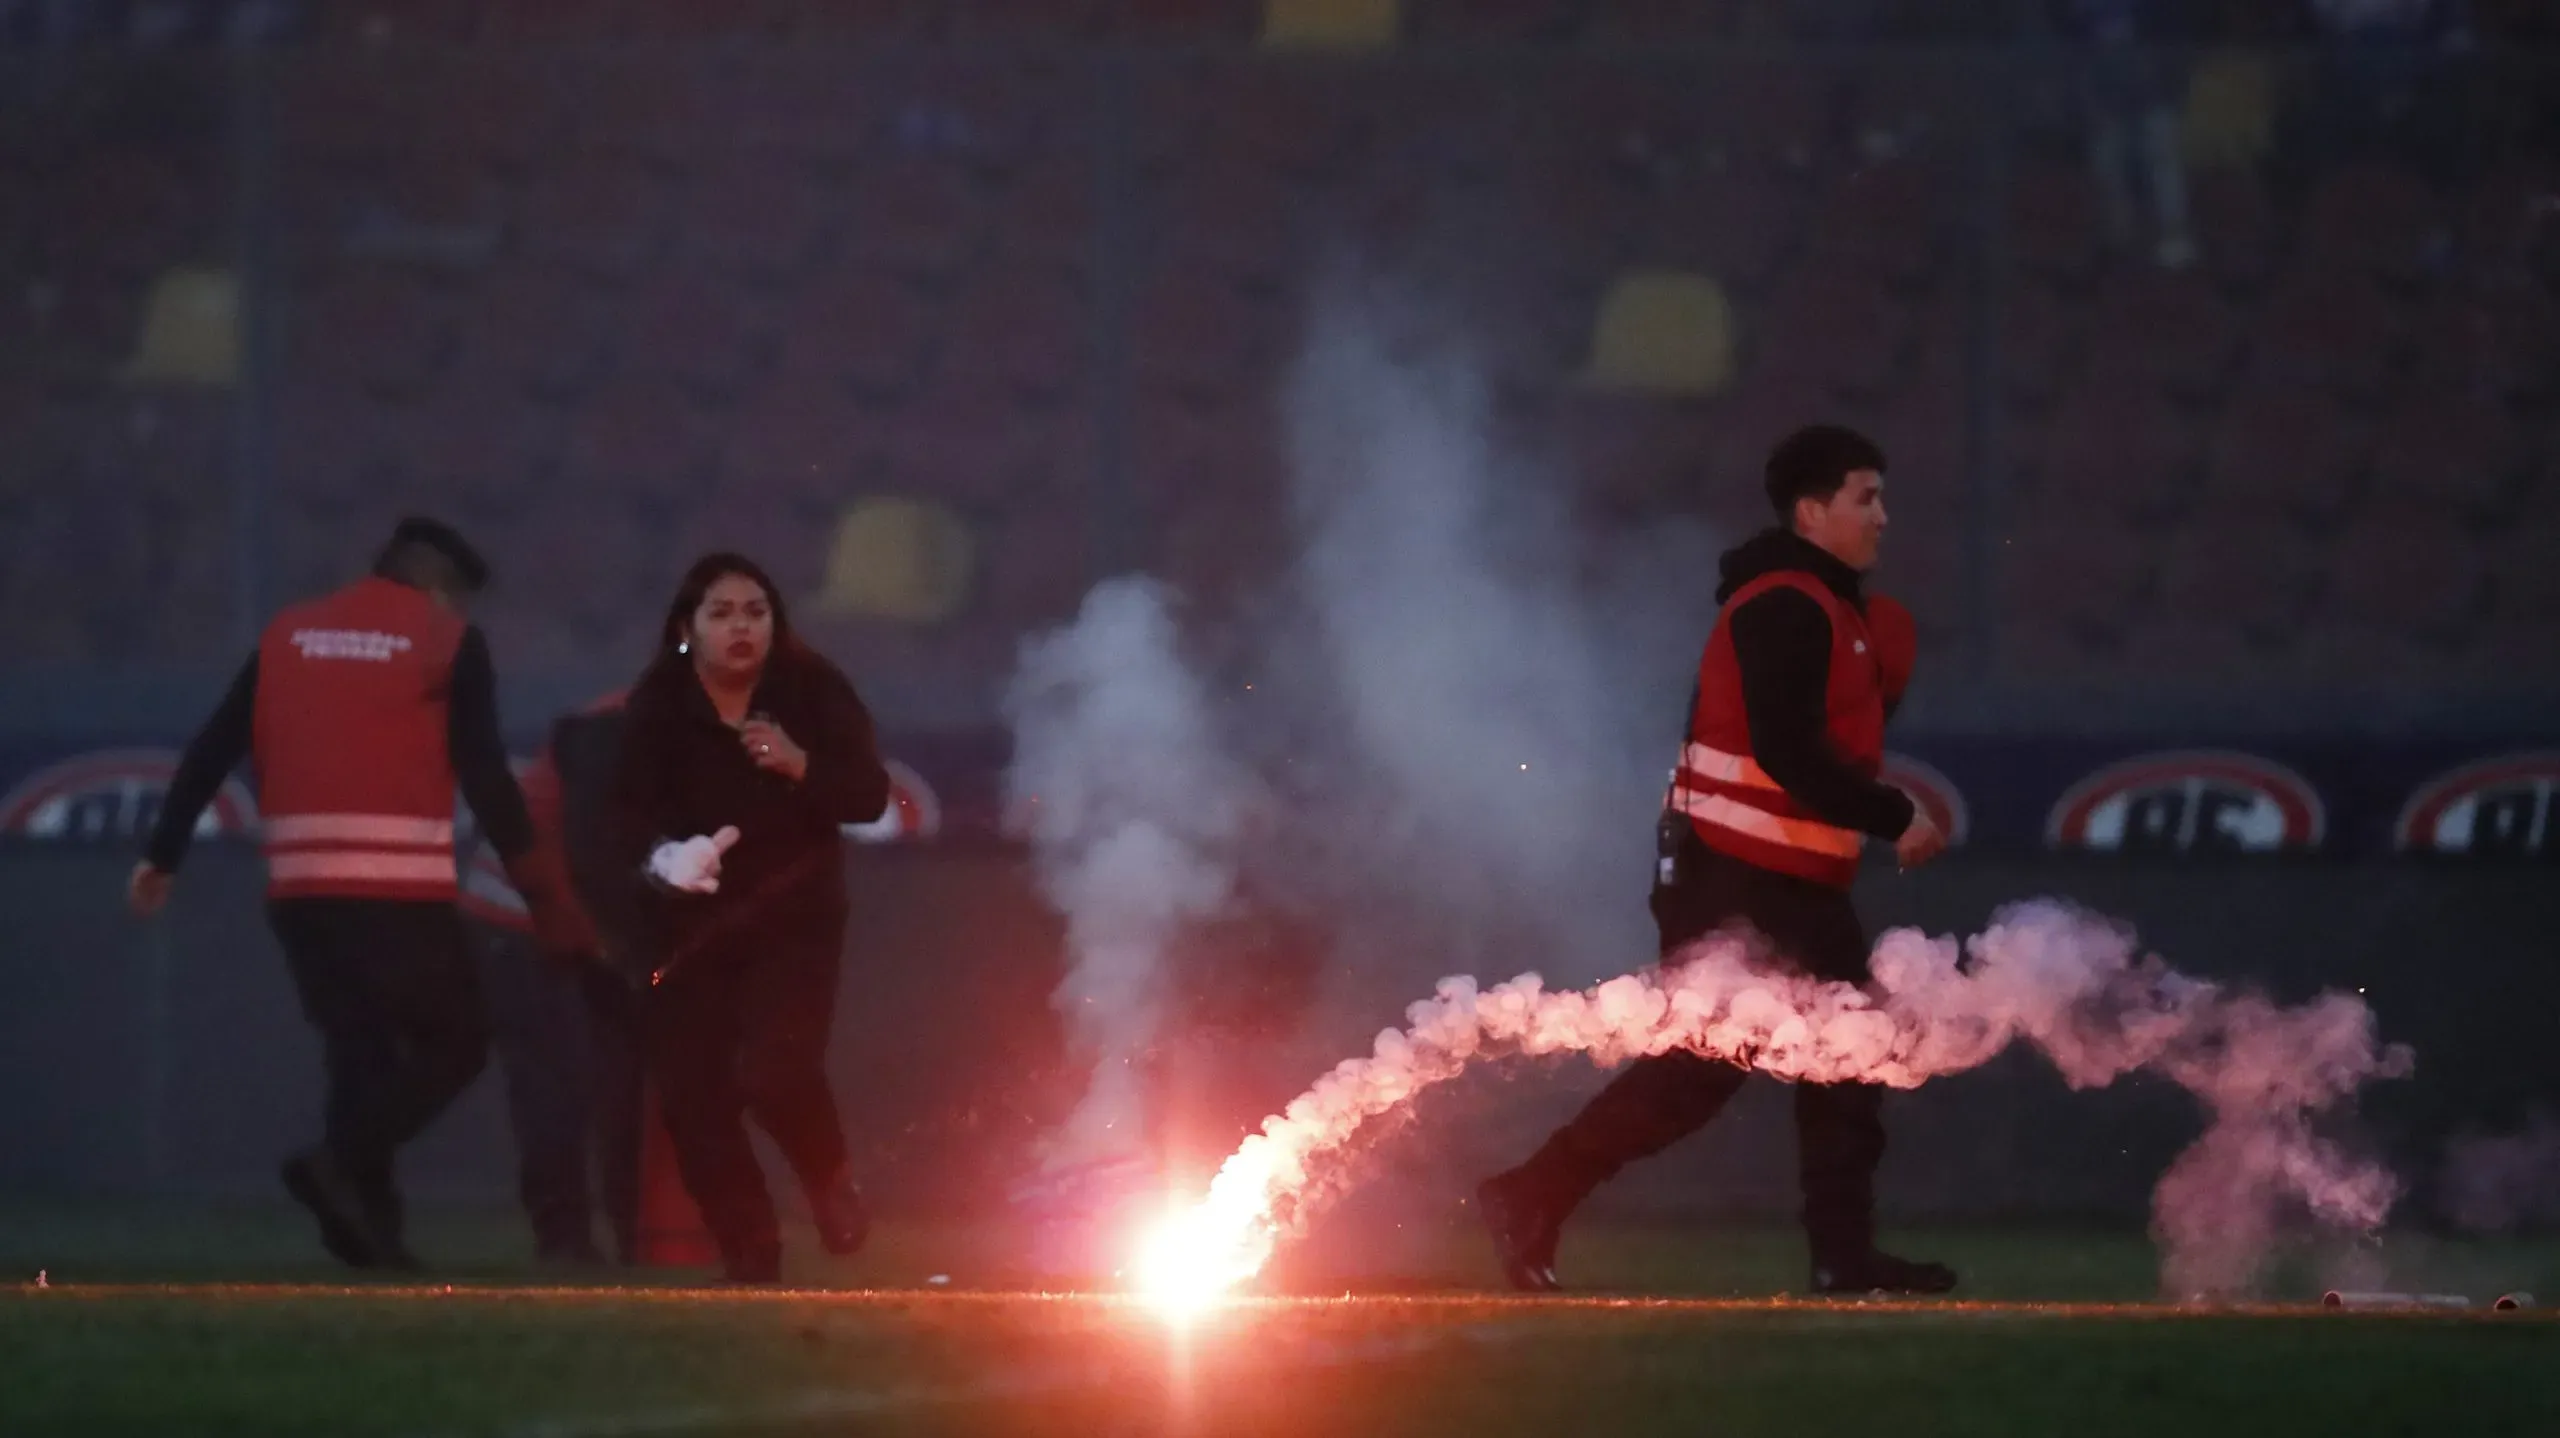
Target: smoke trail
(1133,812)
(2066,982)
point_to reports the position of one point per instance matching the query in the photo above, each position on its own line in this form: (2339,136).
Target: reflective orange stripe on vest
(1715,766)
(361,865)
(388,829)
(1811,835)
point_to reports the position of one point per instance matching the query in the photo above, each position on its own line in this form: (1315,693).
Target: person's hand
(772,749)
(1919,843)
(693,865)
(148,890)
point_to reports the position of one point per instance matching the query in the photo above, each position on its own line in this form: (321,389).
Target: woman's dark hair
(1814,462)
(709,570)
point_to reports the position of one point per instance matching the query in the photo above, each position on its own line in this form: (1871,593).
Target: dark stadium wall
(171,1059)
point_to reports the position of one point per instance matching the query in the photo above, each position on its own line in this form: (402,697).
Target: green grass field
(189,1322)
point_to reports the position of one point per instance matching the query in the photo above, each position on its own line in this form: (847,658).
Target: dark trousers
(564,1038)
(1658,1101)
(392,989)
(743,1029)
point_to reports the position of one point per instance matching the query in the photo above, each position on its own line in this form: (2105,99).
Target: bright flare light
(1188,1260)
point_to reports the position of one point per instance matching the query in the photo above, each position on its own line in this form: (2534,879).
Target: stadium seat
(1195,336)
(2401,598)
(921,217)
(1739,226)
(2068,596)
(2234,591)
(1845,331)
(332,445)
(2039,340)
(859,332)
(2327,328)
(1330,24)
(385,23)
(539,330)
(1233,222)
(1478,21)
(1022,336)
(2504,216)
(754,218)
(2230,114)
(603,214)
(1885,219)
(2373,219)
(2451,454)
(2492,339)
(2284,450)
(473,452)
(2162,331)
(1663,333)
(984,452)
(190,331)
(803,450)
(898,557)
(2111,454)
(1002,21)
(1191,19)
(380,325)
(1042,220)
(637,445)
(686,328)
(2054,233)
(2237,227)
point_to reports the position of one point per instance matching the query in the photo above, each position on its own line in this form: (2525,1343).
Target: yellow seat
(190,330)
(1662,332)
(898,558)
(2229,120)
(1330,24)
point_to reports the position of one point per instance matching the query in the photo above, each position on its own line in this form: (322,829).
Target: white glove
(694,864)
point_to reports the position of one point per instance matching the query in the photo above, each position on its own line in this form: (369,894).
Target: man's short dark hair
(1814,462)
(433,553)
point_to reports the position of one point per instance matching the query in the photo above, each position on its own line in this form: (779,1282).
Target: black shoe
(317,1182)
(1875,1271)
(1524,1232)
(757,1262)
(843,1219)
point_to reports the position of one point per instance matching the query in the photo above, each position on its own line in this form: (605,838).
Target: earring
(684,646)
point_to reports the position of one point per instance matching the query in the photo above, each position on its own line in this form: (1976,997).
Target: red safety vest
(487,893)
(1734,806)
(355,779)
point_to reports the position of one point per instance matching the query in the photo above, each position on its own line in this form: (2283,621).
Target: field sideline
(163,1322)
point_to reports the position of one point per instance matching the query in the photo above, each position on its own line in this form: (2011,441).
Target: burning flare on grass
(2064,980)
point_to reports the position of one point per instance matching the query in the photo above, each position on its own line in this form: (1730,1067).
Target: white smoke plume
(1498,685)
(2066,982)
(1132,812)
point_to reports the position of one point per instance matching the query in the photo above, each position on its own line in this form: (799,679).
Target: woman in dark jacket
(744,753)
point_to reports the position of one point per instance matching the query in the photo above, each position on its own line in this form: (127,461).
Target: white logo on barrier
(2197,801)
(2495,808)
(114,796)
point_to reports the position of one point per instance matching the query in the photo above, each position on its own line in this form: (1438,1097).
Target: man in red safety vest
(565,1034)
(361,712)
(1775,793)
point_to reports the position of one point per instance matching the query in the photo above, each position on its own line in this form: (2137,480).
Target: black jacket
(1782,643)
(682,772)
